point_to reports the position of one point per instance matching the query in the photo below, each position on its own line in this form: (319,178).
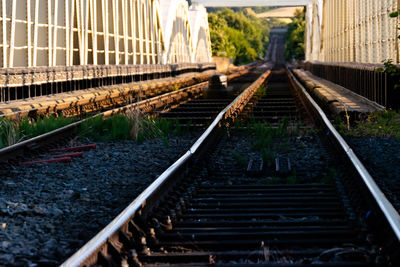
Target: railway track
(152,105)
(55,138)
(84,182)
(201,111)
(207,209)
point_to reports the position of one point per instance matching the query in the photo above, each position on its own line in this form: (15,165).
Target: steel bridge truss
(352,31)
(83,32)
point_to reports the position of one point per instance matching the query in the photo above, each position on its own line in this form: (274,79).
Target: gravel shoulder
(48,211)
(381,156)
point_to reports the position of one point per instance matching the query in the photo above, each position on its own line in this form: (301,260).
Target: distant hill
(283,12)
(259,9)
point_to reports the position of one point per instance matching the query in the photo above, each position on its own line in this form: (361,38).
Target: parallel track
(36,145)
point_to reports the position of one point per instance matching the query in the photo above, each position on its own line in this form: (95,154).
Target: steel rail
(101,238)
(392,216)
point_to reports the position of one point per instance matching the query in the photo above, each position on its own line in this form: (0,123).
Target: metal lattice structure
(83,32)
(352,31)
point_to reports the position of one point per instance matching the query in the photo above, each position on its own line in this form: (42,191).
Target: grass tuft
(14,131)
(31,129)
(9,134)
(131,126)
(385,123)
(240,159)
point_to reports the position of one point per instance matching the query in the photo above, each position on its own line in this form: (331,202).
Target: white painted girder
(81,32)
(250,3)
(352,31)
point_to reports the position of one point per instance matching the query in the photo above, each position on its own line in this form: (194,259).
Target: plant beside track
(130,127)
(375,139)
(20,131)
(116,127)
(385,123)
(144,106)
(15,131)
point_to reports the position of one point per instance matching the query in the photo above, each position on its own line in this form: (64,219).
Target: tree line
(294,49)
(238,35)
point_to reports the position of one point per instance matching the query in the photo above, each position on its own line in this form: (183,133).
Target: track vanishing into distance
(202,111)
(211,209)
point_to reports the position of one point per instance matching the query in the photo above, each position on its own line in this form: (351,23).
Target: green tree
(295,37)
(242,37)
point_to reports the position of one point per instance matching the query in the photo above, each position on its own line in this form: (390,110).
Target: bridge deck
(336,98)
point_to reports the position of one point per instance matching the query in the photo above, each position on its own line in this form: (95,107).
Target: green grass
(130,127)
(9,133)
(265,135)
(176,87)
(329,177)
(240,159)
(292,178)
(384,123)
(31,129)
(270,180)
(119,127)
(14,131)
(262,90)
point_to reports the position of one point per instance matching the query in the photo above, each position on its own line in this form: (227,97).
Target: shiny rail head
(391,215)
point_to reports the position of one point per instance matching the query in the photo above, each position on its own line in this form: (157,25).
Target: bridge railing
(360,78)
(24,83)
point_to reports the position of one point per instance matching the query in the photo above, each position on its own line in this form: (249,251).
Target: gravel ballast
(303,151)
(48,211)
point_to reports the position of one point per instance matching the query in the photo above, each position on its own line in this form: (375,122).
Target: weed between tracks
(265,134)
(282,140)
(262,90)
